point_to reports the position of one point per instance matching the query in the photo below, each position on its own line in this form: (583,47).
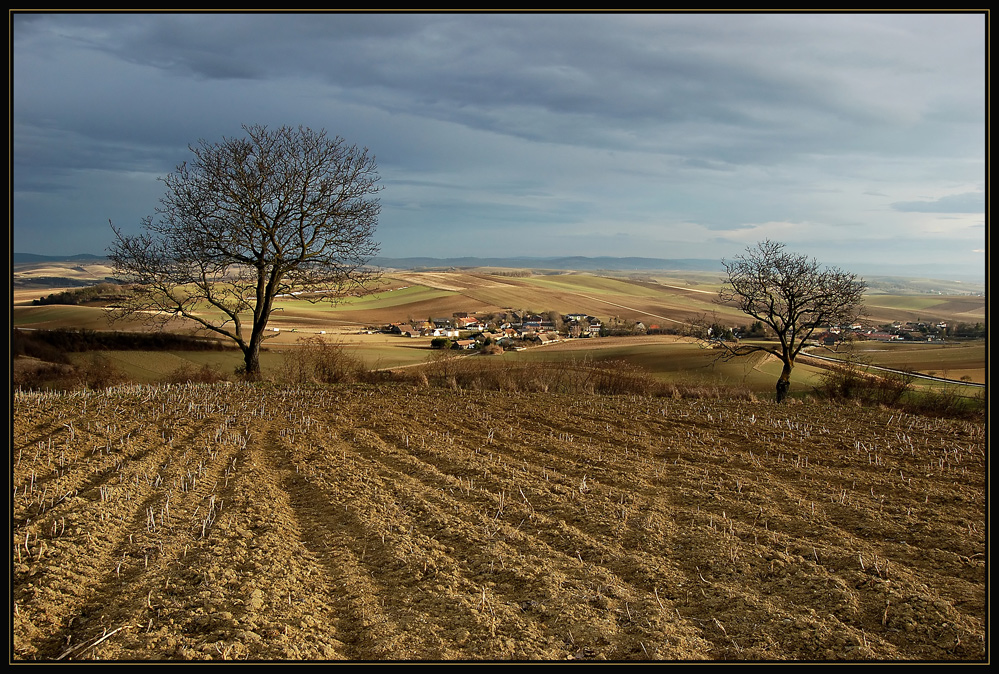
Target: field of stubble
(395,523)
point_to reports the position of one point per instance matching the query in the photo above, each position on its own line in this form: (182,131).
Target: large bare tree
(792,295)
(250,219)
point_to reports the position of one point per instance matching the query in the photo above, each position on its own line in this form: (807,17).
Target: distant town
(516,330)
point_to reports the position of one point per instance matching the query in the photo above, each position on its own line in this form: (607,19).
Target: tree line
(103,293)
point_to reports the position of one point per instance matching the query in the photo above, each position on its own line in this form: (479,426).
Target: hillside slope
(396,523)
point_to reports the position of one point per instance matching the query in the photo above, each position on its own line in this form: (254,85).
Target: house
(406,330)
(464,344)
(883,336)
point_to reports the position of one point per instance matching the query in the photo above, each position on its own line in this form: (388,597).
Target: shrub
(317,361)
(190,373)
(98,372)
(28,344)
(76,341)
(946,403)
(449,370)
(849,382)
(31,374)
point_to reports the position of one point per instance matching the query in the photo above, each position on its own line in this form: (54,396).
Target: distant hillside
(576,263)
(886,278)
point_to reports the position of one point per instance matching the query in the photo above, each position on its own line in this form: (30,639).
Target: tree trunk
(251,358)
(784,383)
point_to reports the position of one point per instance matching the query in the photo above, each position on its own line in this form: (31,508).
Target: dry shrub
(946,403)
(473,373)
(29,344)
(317,361)
(850,383)
(98,372)
(190,373)
(32,374)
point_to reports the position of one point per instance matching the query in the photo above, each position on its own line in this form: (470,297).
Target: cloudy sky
(856,138)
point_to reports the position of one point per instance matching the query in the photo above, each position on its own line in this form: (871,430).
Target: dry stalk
(78,650)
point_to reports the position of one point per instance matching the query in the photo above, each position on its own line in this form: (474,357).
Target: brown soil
(390,523)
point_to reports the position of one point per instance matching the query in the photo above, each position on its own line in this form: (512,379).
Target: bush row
(476,373)
(51,342)
(317,361)
(852,383)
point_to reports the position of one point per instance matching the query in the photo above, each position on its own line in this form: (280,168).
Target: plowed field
(391,523)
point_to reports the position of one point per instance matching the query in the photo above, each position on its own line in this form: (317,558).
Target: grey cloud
(599,120)
(969,202)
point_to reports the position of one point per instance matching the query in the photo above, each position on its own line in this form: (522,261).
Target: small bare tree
(282,212)
(793,296)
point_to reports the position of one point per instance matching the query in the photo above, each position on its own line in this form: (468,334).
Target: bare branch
(791,295)
(249,219)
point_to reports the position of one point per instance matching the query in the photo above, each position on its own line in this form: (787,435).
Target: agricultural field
(667,298)
(957,360)
(668,301)
(960,308)
(400,522)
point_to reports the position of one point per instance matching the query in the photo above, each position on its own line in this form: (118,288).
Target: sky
(855,138)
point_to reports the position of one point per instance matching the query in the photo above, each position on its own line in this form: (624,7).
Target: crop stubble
(390,523)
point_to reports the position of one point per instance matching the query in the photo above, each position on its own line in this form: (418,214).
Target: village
(515,330)
(908,331)
(504,330)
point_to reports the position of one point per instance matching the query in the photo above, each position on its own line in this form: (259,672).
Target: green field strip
(58,314)
(382,299)
(591,284)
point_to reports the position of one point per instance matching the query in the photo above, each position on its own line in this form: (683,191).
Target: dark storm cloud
(550,78)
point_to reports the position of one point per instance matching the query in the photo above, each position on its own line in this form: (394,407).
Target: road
(903,372)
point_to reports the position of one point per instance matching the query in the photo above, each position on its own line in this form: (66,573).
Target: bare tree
(288,211)
(792,295)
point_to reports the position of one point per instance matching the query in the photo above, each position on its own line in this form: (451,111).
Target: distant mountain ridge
(594,264)
(32,257)
(562,263)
